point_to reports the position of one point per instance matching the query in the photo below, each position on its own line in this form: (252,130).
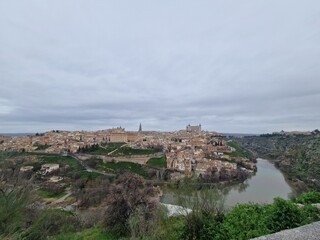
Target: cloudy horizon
(233,66)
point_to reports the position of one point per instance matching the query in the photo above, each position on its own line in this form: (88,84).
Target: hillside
(296,155)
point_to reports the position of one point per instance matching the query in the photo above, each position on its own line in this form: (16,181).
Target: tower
(140,128)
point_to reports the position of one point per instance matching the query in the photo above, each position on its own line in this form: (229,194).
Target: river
(263,187)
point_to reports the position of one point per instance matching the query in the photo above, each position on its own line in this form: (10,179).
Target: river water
(263,187)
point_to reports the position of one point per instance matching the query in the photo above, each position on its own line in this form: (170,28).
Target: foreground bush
(283,214)
(132,204)
(52,222)
(202,225)
(308,198)
(245,221)
(13,203)
(90,233)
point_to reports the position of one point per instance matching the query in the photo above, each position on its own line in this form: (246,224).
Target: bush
(202,225)
(245,221)
(51,190)
(13,203)
(92,162)
(310,214)
(169,228)
(307,198)
(51,222)
(132,202)
(92,192)
(283,214)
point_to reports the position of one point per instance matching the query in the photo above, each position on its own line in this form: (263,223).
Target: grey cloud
(249,66)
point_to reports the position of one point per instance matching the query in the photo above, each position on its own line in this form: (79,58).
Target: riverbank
(263,187)
(298,156)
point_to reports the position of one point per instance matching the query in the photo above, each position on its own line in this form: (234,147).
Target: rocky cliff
(296,155)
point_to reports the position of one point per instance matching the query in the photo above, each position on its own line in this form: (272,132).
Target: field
(127,151)
(160,162)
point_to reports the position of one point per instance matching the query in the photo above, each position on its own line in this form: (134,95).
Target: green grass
(127,151)
(62,161)
(46,194)
(43,158)
(101,151)
(75,167)
(118,167)
(240,152)
(160,162)
(107,148)
(120,151)
(113,145)
(87,234)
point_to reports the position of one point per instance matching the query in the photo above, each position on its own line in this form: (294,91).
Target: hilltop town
(187,152)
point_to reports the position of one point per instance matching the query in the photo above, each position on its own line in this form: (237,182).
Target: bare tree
(132,204)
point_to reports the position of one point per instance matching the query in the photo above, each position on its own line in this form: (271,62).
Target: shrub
(131,197)
(245,221)
(202,225)
(51,222)
(307,198)
(92,192)
(52,189)
(13,203)
(283,214)
(310,214)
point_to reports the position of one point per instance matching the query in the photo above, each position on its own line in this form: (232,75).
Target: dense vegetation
(297,155)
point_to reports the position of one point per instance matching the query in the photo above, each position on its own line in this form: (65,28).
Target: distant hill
(296,155)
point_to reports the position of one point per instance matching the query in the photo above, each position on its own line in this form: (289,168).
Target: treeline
(88,149)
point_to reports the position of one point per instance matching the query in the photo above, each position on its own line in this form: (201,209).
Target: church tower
(140,128)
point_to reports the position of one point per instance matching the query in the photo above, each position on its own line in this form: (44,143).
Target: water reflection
(263,187)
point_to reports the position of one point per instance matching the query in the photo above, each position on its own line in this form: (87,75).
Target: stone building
(196,128)
(120,135)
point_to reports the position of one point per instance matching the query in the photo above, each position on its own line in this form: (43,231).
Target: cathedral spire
(140,128)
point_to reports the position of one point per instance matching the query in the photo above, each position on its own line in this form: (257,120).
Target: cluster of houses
(66,141)
(190,151)
(193,151)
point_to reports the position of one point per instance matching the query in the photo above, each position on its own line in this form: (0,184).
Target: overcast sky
(233,66)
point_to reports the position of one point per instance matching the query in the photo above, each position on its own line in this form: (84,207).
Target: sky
(241,66)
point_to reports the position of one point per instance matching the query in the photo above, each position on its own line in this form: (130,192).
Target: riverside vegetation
(297,155)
